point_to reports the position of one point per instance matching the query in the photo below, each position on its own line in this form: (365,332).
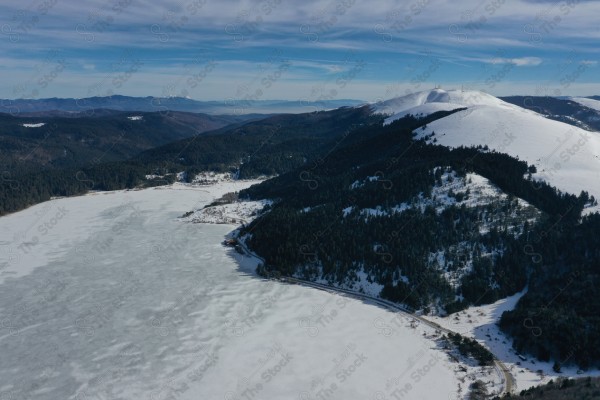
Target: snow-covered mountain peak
(430,101)
(465,98)
(565,156)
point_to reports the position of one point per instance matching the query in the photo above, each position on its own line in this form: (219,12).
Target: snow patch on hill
(239,212)
(480,323)
(471,190)
(357,280)
(210,177)
(589,103)
(358,184)
(205,178)
(565,156)
(494,209)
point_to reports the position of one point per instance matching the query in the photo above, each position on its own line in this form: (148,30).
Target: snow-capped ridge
(430,101)
(565,156)
(464,98)
(587,102)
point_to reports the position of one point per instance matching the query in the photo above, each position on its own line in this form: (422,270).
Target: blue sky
(309,50)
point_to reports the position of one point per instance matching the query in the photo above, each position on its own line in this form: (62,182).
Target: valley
(431,215)
(315,200)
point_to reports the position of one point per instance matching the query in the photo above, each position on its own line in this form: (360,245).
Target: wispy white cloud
(457,38)
(519,62)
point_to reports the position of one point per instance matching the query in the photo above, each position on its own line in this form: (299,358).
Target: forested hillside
(266,147)
(84,153)
(369,207)
(421,225)
(43,142)
(562,389)
(558,319)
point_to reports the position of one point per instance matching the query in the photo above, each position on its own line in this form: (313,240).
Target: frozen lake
(109,296)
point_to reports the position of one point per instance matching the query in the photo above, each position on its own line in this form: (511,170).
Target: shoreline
(465,363)
(165,255)
(216,190)
(519,371)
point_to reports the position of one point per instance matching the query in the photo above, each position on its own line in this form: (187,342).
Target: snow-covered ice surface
(31,238)
(480,323)
(114,297)
(565,156)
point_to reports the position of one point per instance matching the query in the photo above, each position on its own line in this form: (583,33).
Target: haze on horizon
(317,50)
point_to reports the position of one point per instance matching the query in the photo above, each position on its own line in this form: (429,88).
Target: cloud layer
(209,49)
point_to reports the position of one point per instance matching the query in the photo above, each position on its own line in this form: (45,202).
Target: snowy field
(236,213)
(480,323)
(111,296)
(590,103)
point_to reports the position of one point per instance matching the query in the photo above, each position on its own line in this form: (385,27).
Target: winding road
(501,368)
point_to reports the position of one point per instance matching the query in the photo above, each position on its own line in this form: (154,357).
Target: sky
(308,50)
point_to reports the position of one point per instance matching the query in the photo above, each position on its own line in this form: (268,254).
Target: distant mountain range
(58,139)
(582,112)
(161,104)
